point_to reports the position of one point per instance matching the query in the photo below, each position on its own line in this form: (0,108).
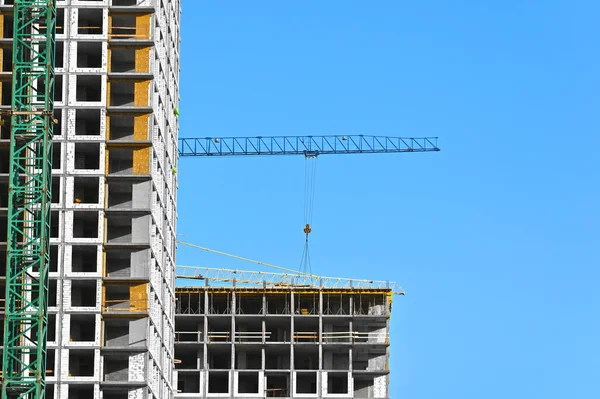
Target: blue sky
(495,238)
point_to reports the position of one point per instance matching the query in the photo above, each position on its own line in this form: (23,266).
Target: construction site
(89,148)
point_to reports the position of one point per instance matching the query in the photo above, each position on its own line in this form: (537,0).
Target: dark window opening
(87,155)
(248,383)
(89,54)
(86,190)
(122,60)
(218,382)
(306,383)
(337,383)
(89,88)
(121,127)
(83,293)
(87,122)
(90,21)
(122,94)
(84,259)
(83,327)
(85,224)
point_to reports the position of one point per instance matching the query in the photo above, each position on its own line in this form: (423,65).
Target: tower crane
(29,199)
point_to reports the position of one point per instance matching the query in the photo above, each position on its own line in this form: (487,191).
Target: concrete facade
(291,343)
(112,298)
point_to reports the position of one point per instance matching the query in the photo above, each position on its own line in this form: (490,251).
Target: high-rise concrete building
(290,342)
(112,298)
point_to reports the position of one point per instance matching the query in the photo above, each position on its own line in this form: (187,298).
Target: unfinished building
(276,342)
(112,299)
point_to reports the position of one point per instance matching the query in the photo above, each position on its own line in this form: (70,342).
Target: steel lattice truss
(305,145)
(26,318)
(231,277)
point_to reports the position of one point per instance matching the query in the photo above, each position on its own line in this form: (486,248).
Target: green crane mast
(28,255)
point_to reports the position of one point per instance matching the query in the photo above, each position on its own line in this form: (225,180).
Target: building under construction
(113,214)
(316,338)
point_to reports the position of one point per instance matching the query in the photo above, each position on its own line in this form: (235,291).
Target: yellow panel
(142,60)
(109,27)
(109,57)
(138,297)
(141,161)
(142,26)
(140,127)
(108,93)
(107,128)
(1,27)
(140,96)
(106,161)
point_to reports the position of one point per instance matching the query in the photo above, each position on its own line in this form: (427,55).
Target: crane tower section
(31,121)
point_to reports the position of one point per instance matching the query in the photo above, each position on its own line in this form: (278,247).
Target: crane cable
(310,172)
(187,244)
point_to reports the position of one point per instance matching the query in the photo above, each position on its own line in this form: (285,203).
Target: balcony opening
(278,330)
(336,358)
(248,330)
(60,21)
(83,328)
(122,60)
(218,382)
(219,357)
(56,155)
(219,303)
(81,364)
(306,383)
(87,122)
(119,230)
(51,327)
(364,386)
(86,190)
(122,94)
(278,304)
(58,88)
(247,359)
(84,259)
(83,293)
(278,385)
(277,357)
(123,27)
(54,224)
(89,21)
(190,303)
(55,190)
(89,54)
(369,359)
(60,54)
(57,128)
(89,88)
(306,330)
(121,127)
(120,195)
(306,358)
(50,362)
(248,383)
(85,224)
(116,333)
(118,263)
(189,358)
(117,298)
(337,383)
(7,29)
(120,161)
(249,304)
(6,59)
(6,93)
(87,156)
(52,292)
(53,258)
(81,391)
(336,330)
(116,367)
(188,382)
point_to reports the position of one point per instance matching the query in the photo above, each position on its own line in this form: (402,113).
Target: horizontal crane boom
(280,280)
(303,145)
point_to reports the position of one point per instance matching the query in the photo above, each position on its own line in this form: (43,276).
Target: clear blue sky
(495,238)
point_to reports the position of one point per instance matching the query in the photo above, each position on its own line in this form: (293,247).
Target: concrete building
(304,343)
(112,299)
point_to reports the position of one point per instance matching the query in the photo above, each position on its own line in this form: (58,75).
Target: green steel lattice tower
(31,118)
